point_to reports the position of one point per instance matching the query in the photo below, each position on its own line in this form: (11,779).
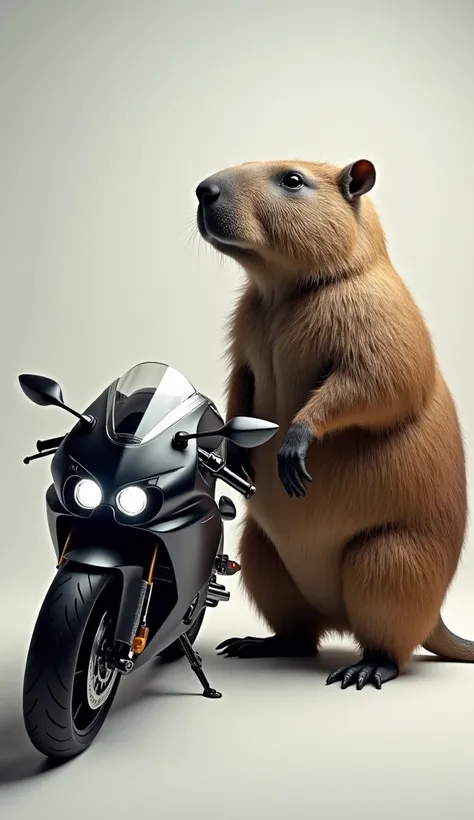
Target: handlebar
(49,443)
(213,462)
(44,448)
(236,482)
(216,465)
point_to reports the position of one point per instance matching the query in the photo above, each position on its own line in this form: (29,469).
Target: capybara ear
(356,179)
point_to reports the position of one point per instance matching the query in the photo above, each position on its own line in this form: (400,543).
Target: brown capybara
(360,515)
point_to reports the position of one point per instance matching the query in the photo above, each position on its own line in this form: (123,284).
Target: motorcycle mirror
(41,390)
(247,432)
(46,392)
(243,431)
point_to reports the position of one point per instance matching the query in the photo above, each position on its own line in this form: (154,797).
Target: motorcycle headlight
(87,494)
(131,500)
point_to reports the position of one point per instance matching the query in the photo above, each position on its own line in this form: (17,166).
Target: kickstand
(196,665)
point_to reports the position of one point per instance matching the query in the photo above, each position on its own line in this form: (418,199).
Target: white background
(111,113)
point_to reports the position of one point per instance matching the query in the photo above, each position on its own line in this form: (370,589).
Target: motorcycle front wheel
(68,688)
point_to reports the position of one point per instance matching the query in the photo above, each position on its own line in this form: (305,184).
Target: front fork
(133,642)
(216,593)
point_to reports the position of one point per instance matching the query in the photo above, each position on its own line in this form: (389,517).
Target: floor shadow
(327,660)
(432,659)
(20,761)
(331,658)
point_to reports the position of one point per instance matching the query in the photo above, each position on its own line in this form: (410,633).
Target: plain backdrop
(111,113)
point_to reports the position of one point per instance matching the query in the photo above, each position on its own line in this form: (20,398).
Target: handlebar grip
(235,481)
(49,443)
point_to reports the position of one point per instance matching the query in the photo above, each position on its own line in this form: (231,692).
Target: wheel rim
(94,680)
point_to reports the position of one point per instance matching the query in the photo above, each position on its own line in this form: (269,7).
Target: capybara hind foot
(276,646)
(375,668)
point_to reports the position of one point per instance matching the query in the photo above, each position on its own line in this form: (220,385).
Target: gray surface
(279,744)
(111,113)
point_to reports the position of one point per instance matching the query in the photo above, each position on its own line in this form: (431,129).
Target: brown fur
(326,333)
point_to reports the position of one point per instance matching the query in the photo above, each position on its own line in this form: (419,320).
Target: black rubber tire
(175,651)
(69,618)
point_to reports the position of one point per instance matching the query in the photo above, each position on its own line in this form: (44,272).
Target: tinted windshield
(146,397)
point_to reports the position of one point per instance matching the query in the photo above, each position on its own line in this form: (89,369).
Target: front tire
(68,690)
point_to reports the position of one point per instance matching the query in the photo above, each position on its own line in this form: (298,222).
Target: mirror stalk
(243,431)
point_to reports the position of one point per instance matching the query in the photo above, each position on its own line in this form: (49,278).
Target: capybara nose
(207,193)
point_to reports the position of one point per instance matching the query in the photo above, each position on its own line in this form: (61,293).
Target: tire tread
(51,663)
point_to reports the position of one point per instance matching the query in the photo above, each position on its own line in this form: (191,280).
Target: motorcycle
(138,538)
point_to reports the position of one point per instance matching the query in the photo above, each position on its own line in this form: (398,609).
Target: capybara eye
(292,181)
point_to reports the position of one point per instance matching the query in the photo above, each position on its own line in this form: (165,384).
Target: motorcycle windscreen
(147,399)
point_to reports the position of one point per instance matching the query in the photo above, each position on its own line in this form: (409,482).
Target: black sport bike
(138,537)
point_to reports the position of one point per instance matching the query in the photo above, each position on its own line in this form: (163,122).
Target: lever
(38,455)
